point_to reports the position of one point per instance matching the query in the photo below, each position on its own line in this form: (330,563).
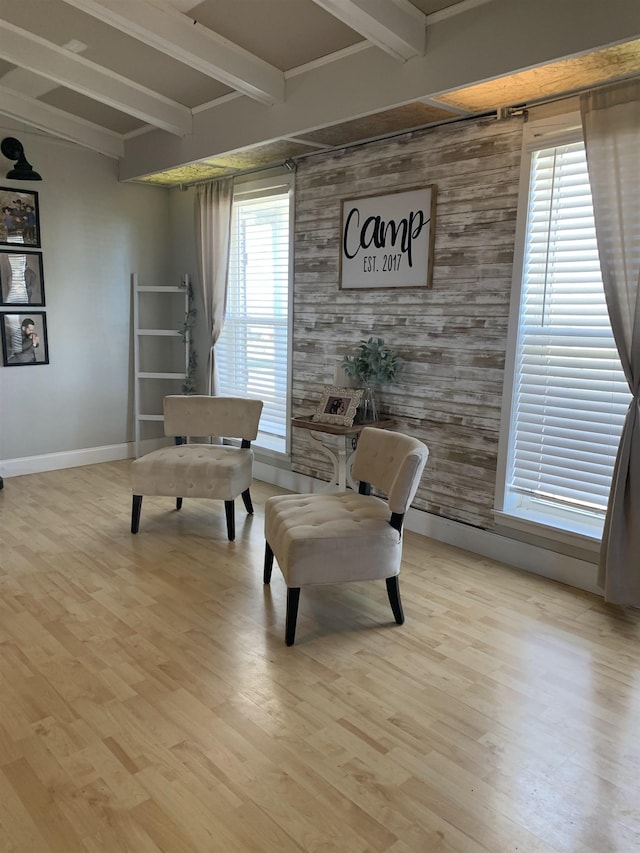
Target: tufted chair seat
(347,536)
(192,470)
(195,471)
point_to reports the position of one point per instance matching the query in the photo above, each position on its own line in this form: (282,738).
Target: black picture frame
(21,279)
(20,220)
(15,330)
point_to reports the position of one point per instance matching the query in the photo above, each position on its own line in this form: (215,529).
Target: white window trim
(263,187)
(556,130)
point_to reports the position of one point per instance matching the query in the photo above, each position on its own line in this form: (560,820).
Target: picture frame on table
(338,405)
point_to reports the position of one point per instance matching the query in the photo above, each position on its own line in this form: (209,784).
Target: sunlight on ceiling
(556,78)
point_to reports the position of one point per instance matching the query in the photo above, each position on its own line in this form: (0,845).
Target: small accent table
(320,432)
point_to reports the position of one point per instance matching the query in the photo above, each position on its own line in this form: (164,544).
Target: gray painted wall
(95,232)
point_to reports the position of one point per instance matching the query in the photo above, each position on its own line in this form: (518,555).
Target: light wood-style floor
(148,702)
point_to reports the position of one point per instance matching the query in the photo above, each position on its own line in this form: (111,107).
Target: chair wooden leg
(268,563)
(178,503)
(231,519)
(246,497)
(136,506)
(293,597)
(393,591)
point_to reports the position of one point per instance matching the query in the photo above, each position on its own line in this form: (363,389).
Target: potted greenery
(373,364)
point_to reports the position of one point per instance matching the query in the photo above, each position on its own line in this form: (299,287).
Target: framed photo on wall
(20,221)
(21,278)
(387,240)
(24,339)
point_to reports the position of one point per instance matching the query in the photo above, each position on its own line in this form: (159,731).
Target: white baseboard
(65,459)
(75,458)
(520,555)
(531,558)
(286,479)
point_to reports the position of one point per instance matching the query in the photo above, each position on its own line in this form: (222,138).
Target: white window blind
(570,394)
(252,351)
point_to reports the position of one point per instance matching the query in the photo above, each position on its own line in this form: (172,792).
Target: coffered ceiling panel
(287,33)
(91,110)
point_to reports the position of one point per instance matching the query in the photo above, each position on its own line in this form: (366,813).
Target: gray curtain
(611,125)
(213,202)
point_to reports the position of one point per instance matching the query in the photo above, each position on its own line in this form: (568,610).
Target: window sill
(271,457)
(265,444)
(538,524)
(270,444)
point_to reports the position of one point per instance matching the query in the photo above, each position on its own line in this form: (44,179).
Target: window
(569,394)
(252,351)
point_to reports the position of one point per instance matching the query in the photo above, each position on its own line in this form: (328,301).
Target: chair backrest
(200,415)
(392,462)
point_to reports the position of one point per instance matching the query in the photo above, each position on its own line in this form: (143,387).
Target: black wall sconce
(22,170)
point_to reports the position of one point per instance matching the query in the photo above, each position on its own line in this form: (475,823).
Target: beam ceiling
(163,27)
(396,27)
(55,63)
(52,120)
(193,97)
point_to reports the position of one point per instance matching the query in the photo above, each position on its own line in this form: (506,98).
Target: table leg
(350,442)
(339,461)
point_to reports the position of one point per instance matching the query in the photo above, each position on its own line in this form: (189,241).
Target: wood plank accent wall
(452,337)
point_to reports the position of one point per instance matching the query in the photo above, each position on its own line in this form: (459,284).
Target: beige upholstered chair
(344,536)
(190,470)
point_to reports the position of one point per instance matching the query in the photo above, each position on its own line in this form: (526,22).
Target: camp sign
(387,240)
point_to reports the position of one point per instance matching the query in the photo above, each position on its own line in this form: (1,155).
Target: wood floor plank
(148,703)
(44,801)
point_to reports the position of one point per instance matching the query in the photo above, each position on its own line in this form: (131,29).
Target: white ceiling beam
(166,29)
(60,123)
(396,26)
(79,74)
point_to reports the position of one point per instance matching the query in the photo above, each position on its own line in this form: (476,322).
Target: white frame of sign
(387,240)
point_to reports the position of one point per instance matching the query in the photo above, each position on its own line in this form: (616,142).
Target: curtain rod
(501,113)
(555,99)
